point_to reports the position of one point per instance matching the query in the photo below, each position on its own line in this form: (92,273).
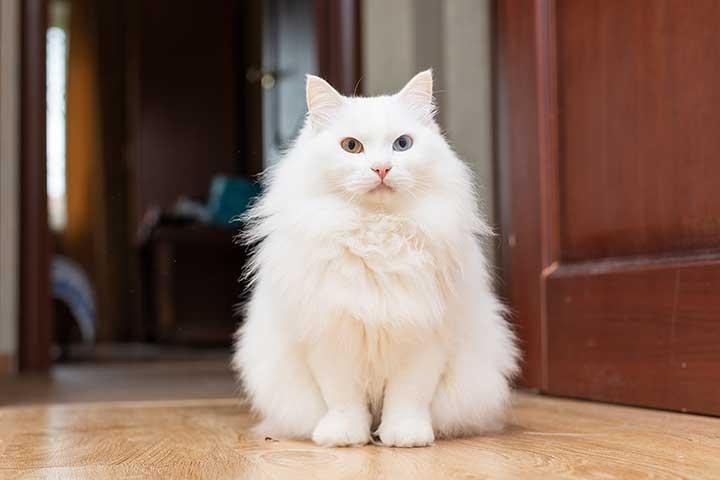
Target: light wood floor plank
(546,438)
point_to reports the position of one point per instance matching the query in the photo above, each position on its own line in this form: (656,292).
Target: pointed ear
(322,100)
(418,94)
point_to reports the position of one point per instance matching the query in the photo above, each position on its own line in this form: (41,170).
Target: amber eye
(351,145)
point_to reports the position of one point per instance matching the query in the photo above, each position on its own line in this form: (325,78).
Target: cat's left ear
(418,94)
(322,100)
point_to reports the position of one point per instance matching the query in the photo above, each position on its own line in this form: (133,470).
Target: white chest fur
(382,270)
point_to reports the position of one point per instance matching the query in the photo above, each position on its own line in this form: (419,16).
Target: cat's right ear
(418,95)
(322,100)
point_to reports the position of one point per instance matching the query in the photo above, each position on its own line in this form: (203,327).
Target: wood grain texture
(631,311)
(634,334)
(637,95)
(518,152)
(607,148)
(546,438)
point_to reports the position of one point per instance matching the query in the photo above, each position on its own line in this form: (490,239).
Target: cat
(372,311)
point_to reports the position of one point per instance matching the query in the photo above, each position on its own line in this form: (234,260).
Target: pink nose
(382,172)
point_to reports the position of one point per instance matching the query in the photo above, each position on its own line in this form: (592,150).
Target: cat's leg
(406,418)
(475,390)
(337,364)
(275,376)
(470,400)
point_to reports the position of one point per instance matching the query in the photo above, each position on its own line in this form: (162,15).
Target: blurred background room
(136,131)
(132,133)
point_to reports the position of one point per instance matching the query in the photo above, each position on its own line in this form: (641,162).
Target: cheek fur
(412,173)
(350,178)
(361,180)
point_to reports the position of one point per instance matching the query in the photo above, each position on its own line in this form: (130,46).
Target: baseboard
(7,364)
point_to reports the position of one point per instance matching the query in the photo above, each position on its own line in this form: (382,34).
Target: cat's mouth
(381,187)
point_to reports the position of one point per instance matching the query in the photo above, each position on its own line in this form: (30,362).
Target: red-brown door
(609,148)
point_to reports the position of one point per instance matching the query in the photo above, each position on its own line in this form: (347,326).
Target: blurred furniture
(190,105)
(73,302)
(229,198)
(191,283)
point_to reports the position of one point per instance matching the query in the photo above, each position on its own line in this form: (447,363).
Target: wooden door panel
(636,333)
(609,156)
(632,206)
(638,142)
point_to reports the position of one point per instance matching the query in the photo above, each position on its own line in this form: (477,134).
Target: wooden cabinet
(192,284)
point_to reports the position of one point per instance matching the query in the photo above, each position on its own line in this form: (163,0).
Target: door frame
(339,43)
(9,179)
(525,149)
(35,299)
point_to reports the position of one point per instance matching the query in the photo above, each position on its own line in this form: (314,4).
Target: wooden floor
(201,376)
(206,438)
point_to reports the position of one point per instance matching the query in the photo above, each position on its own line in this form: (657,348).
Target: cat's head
(376,149)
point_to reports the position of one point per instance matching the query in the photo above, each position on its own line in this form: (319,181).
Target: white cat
(372,306)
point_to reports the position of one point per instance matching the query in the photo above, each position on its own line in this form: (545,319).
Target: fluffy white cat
(372,309)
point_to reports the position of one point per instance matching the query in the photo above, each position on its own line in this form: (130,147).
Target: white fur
(372,309)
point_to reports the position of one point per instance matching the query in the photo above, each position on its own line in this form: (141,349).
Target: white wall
(388,45)
(468,100)
(402,37)
(9,178)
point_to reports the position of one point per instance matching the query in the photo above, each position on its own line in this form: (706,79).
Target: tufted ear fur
(322,100)
(418,94)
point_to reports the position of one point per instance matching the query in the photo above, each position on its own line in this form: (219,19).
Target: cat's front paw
(406,432)
(342,429)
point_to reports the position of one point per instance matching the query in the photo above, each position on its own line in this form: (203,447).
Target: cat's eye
(402,143)
(351,145)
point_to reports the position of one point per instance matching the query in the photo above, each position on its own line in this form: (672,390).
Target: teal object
(230,197)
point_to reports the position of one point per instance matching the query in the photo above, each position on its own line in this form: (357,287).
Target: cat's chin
(381,188)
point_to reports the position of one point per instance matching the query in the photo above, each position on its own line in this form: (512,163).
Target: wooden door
(609,148)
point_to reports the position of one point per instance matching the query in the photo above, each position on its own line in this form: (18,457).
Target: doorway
(154,138)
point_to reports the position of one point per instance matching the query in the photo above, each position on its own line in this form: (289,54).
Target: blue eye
(402,143)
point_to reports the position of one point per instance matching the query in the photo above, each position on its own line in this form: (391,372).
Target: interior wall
(388,31)
(9,180)
(403,37)
(467,81)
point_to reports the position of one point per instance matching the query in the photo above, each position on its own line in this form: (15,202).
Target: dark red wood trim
(637,331)
(35,307)
(548,128)
(521,144)
(549,162)
(250,93)
(339,42)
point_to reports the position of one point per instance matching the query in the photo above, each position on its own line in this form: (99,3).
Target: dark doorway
(161,109)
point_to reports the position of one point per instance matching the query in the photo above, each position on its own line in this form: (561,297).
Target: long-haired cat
(372,309)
